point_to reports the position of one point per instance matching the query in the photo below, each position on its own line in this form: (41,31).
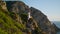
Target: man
(29,15)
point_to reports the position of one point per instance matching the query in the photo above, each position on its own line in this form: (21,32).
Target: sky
(51,8)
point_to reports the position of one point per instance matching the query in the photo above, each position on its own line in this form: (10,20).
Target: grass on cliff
(8,25)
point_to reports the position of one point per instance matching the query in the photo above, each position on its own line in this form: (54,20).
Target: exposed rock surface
(42,21)
(3,5)
(38,24)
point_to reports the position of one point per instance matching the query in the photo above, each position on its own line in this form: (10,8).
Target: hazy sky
(51,8)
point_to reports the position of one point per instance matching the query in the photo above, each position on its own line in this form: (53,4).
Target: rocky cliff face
(38,24)
(43,21)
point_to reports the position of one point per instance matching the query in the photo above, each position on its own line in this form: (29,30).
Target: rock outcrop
(42,21)
(3,5)
(38,24)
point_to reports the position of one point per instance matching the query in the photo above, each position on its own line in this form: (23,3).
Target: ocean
(57,23)
(58,32)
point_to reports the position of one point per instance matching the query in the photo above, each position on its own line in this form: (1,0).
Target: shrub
(24,17)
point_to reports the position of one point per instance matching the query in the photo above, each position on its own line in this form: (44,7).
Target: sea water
(58,32)
(57,23)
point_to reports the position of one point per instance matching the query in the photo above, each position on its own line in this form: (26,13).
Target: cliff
(14,20)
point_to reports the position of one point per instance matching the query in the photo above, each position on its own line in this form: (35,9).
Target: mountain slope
(14,20)
(8,25)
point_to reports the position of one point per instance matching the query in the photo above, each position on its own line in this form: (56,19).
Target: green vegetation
(24,17)
(8,25)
